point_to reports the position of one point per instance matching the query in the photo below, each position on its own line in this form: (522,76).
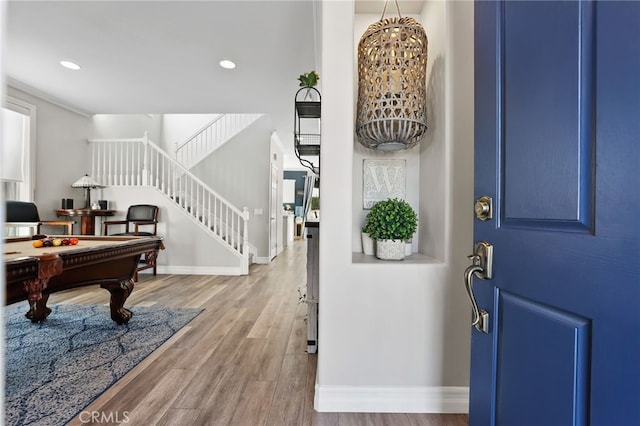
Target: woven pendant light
(392,64)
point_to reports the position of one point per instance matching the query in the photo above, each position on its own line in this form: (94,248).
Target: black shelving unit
(306,128)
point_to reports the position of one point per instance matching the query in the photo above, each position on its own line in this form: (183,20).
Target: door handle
(481,267)
(484,208)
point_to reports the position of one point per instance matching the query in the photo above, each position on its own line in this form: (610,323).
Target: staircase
(213,135)
(140,162)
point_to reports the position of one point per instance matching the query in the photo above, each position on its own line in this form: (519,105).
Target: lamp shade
(86,181)
(392,65)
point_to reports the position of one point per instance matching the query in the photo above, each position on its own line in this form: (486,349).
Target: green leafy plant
(367,227)
(391,219)
(315,203)
(309,79)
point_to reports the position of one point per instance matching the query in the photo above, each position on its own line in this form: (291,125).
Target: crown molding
(18,85)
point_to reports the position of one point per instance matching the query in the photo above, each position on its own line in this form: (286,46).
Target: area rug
(56,368)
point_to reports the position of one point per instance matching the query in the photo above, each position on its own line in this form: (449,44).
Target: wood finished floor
(242,361)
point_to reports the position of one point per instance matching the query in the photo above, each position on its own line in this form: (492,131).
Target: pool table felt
(15,249)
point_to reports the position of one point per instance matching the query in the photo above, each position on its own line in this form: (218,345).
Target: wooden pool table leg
(119,293)
(38,310)
(48,266)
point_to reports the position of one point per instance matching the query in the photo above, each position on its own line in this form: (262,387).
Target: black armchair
(139,215)
(21,214)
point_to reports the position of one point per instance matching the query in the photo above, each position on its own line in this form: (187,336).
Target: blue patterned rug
(56,368)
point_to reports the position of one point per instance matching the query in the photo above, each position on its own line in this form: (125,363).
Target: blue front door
(557,148)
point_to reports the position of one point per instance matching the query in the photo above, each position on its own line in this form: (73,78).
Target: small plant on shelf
(367,241)
(309,79)
(391,223)
(392,219)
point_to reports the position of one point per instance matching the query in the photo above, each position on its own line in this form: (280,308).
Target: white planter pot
(408,249)
(390,249)
(367,244)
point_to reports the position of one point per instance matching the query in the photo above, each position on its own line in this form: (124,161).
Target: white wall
(394,336)
(165,130)
(177,128)
(434,155)
(459,125)
(239,171)
(109,126)
(187,249)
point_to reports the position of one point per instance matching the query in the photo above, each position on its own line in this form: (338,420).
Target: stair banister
(153,167)
(211,136)
(202,130)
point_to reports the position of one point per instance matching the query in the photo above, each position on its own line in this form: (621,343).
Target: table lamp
(86,182)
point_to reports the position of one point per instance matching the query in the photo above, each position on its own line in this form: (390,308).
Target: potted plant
(309,79)
(367,241)
(391,223)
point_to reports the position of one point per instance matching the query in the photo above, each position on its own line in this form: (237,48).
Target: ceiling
(156,57)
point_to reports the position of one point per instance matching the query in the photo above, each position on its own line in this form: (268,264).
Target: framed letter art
(382,179)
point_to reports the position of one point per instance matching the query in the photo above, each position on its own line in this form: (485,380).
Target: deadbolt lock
(484,208)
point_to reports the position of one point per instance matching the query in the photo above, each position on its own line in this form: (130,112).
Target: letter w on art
(383,171)
(383,179)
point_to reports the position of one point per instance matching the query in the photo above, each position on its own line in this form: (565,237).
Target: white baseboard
(197,270)
(262,260)
(432,399)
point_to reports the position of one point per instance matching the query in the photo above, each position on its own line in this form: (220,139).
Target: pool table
(34,273)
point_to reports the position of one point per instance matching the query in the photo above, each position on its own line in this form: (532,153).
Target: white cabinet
(287,229)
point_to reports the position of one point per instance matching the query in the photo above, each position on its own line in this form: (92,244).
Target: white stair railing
(211,137)
(140,162)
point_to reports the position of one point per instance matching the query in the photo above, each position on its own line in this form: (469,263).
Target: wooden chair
(139,215)
(24,214)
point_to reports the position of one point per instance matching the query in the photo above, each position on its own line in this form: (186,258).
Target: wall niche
(426,165)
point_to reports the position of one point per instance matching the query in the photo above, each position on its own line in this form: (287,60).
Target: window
(18,135)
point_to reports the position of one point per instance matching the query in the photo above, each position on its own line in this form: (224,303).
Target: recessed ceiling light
(225,63)
(70,65)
